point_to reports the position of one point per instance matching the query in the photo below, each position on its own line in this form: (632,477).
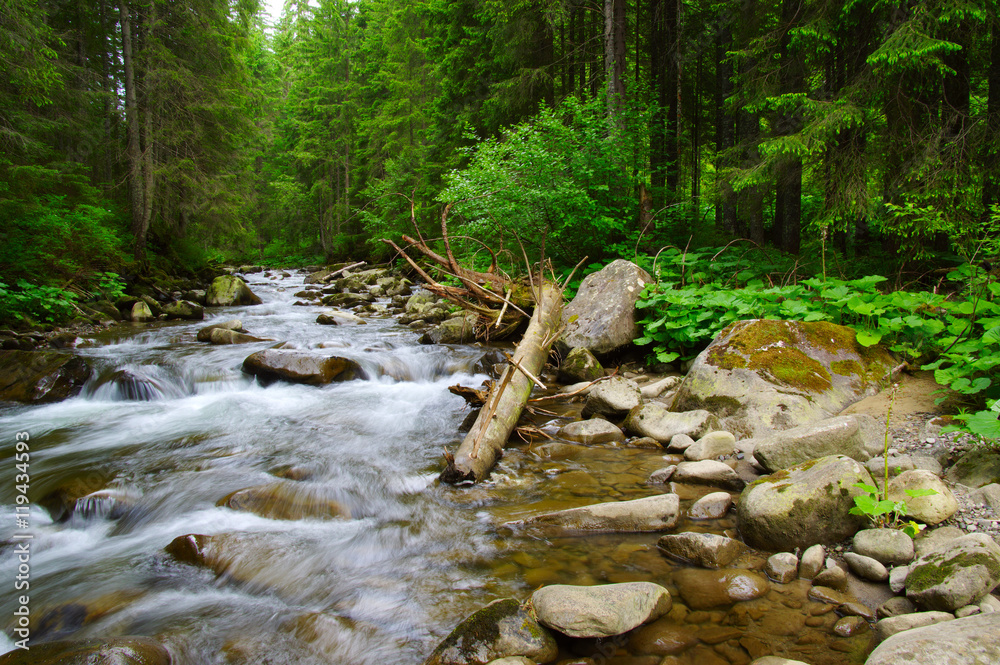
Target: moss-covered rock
(580,365)
(41,376)
(502,628)
(955,574)
(763,375)
(228,291)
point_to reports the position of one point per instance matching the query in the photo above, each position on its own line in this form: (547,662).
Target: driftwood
(484,443)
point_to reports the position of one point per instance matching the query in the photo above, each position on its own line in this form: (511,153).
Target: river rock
(834,578)
(968,641)
(347,300)
(932,509)
(657,388)
(891,547)
(456,330)
(662,637)
(580,365)
(890,626)
(501,629)
(113,651)
(812,562)
(679,443)
(652,513)
(339,319)
(613,398)
(955,574)
(896,606)
(897,579)
(782,567)
(599,611)
(655,421)
(513,660)
(229,291)
(706,589)
(707,550)
(900,463)
(301,367)
(601,317)
(707,472)
(223,337)
(977,467)
(711,446)
(803,505)
(841,435)
(866,567)
(205,334)
(759,376)
(184,310)
(776,660)
(140,313)
(41,376)
(590,432)
(711,506)
(285,501)
(932,539)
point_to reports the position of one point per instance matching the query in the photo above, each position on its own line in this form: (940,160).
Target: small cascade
(138,383)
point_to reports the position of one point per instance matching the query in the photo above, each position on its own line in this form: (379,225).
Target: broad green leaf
(869,338)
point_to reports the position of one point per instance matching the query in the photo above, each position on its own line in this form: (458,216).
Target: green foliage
(884,513)
(30,303)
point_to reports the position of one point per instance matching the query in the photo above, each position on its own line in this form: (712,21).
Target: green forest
(756,144)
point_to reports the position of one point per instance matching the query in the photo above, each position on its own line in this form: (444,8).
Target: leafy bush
(30,303)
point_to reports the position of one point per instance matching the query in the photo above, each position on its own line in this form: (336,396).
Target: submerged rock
(228,291)
(599,611)
(707,550)
(706,589)
(501,629)
(301,367)
(285,501)
(41,376)
(114,651)
(653,513)
(759,376)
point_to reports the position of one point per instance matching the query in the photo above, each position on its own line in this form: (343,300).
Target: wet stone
(895,607)
(711,506)
(703,549)
(706,589)
(866,567)
(663,637)
(812,562)
(834,578)
(857,610)
(782,567)
(850,625)
(827,595)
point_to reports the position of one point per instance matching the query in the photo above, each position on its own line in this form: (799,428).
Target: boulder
(580,365)
(601,317)
(707,589)
(599,611)
(140,313)
(184,310)
(456,330)
(803,505)
(613,398)
(652,513)
(285,501)
(655,421)
(840,435)
(707,472)
(759,376)
(112,651)
(711,506)
(593,431)
(205,334)
(707,550)
(711,446)
(301,367)
(955,574)
(502,629)
(932,509)
(221,337)
(41,376)
(976,468)
(339,319)
(228,291)
(968,641)
(890,547)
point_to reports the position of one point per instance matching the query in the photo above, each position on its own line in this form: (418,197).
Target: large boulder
(803,505)
(501,629)
(613,398)
(41,376)
(932,509)
(599,611)
(968,641)
(184,310)
(230,290)
(601,317)
(763,375)
(840,435)
(955,574)
(301,367)
(652,513)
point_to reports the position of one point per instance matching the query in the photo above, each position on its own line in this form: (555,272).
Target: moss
(847,368)
(725,359)
(793,368)
(936,570)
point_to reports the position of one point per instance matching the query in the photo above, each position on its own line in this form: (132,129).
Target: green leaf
(869,338)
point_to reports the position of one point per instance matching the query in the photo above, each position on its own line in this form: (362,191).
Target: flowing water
(169,427)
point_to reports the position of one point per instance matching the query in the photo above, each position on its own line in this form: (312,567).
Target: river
(382,586)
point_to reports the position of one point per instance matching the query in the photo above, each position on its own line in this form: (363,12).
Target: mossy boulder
(41,376)
(580,365)
(456,330)
(228,291)
(184,310)
(759,376)
(803,505)
(501,629)
(955,574)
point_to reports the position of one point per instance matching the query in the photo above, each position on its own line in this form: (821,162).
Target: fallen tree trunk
(484,443)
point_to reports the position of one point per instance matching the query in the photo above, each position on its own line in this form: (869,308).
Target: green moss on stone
(936,570)
(793,368)
(848,368)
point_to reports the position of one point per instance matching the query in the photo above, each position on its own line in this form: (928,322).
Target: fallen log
(484,443)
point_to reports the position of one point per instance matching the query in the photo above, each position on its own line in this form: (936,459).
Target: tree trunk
(991,151)
(614,53)
(725,129)
(133,151)
(658,39)
(484,443)
(788,188)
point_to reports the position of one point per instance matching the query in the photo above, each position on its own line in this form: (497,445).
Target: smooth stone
(978,467)
(895,607)
(653,513)
(890,547)
(955,574)
(812,562)
(657,388)
(897,578)
(285,501)
(841,435)
(602,316)
(849,625)
(205,334)
(707,589)
(827,595)
(707,472)
(661,476)
(930,510)
(222,337)
(835,578)
(703,549)
(857,610)
(931,539)
(866,567)
(989,495)
(653,420)
(614,398)
(599,611)
(112,651)
(502,629)
(680,443)
(300,367)
(591,432)
(711,506)
(900,463)
(782,567)
(663,637)
(890,626)
(711,446)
